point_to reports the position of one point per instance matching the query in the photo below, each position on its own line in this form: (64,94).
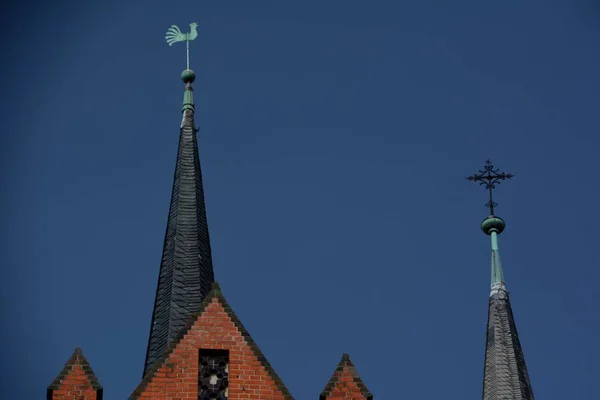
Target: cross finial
(490,177)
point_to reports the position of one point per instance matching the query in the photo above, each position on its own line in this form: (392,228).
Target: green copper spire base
(188,97)
(498,283)
(188,77)
(493,226)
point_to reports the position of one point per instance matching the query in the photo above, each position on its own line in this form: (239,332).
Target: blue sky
(334,139)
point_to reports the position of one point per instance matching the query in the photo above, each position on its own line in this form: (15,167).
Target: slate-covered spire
(505,373)
(186,272)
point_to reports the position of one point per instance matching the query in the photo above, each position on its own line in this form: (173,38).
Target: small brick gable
(345,384)
(213,327)
(76,381)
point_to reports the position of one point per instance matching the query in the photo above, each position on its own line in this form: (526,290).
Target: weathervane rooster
(175,35)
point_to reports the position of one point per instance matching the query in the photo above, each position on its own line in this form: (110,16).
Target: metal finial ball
(188,76)
(493,223)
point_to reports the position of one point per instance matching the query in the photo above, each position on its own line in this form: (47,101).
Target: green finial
(489,177)
(175,35)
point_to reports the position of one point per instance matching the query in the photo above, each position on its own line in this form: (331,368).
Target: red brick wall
(345,387)
(178,377)
(75,386)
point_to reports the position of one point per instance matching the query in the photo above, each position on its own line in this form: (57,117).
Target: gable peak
(77,360)
(201,332)
(344,374)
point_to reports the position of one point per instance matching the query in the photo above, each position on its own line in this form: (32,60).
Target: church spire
(186,273)
(505,371)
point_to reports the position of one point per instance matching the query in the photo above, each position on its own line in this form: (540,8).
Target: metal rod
(187,52)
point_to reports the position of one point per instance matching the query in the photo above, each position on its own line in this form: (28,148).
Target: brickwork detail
(76,381)
(345,384)
(250,377)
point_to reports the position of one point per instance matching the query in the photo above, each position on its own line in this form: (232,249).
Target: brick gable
(345,384)
(213,327)
(76,381)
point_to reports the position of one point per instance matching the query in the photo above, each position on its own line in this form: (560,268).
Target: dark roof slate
(77,358)
(505,373)
(186,271)
(215,293)
(345,366)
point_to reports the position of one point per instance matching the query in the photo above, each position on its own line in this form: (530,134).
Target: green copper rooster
(175,35)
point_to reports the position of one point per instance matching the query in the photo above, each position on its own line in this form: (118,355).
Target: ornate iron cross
(490,177)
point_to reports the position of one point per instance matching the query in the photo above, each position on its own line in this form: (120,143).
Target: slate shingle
(505,374)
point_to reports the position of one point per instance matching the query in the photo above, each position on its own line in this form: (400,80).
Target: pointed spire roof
(186,271)
(77,359)
(345,379)
(505,372)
